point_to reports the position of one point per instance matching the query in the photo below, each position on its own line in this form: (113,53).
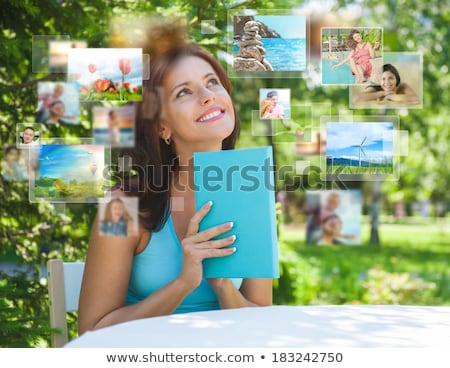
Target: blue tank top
(160,263)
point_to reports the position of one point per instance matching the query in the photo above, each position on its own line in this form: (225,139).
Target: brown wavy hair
(153,160)
(350,41)
(125,216)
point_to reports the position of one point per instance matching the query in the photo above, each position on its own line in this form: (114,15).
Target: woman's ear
(164,132)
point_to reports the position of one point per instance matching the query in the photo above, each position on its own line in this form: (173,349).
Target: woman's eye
(213,82)
(183,92)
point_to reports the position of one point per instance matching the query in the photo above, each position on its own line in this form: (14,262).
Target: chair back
(64,284)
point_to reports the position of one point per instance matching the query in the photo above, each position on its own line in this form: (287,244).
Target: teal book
(240,183)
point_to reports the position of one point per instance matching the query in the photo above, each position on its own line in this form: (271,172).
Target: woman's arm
(108,267)
(253,292)
(370,94)
(404,94)
(334,67)
(371,50)
(105,283)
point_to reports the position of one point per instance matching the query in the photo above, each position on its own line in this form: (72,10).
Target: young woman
(389,89)
(113,128)
(186,108)
(117,221)
(359,57)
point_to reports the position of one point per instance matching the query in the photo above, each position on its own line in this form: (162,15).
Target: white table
(282,326)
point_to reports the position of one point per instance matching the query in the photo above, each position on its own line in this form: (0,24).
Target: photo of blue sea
(284,54)
(126,136)
(288,51)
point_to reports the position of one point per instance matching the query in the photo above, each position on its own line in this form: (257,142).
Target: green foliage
(396,288)
(410,268)
(299,278)
(32,233)
(24,320)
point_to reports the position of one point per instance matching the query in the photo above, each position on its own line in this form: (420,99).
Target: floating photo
(268,43)
(119,217)
(58,103)
(107,74)
(359,148)
(16,163)
(40,51)
(275,103)
(28,135)
(350,55)
(58,51)
(333,217)
(397,83)
(114,125)
(314,147)
(68,173)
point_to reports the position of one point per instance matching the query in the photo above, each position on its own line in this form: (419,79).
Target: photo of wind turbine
(359,148)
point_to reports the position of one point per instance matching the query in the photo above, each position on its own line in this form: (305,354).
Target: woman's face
(332,226)
(28,136)
(274,100)
(197,110)
(116,211)
(388,81)
(57,109)
(357,37)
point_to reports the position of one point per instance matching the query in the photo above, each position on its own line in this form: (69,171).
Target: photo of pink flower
(107,74)
(125,66)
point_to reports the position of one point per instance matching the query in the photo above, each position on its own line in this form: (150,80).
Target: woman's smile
(210,115)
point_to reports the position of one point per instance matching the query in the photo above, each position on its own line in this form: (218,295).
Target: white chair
(64,284)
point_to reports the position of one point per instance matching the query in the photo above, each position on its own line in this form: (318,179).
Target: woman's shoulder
(403,87)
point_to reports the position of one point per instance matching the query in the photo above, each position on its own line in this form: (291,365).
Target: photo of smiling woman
(390,89)
(186,108)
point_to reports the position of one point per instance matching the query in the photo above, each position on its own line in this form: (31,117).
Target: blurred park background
(404,258)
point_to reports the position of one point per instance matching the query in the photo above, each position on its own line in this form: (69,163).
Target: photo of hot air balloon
(68,173)
(93,168)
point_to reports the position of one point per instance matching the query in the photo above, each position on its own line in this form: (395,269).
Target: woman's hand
(198,245)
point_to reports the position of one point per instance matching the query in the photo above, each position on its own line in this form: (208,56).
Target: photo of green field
(71,173)
(359,148)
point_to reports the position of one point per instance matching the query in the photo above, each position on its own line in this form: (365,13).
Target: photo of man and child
(333,217)
(58,103)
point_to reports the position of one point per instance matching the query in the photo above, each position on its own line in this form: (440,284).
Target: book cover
(240,183)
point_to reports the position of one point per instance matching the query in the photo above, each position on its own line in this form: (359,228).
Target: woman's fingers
(195,220)
(210,233)
(217,244)
(210,249)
